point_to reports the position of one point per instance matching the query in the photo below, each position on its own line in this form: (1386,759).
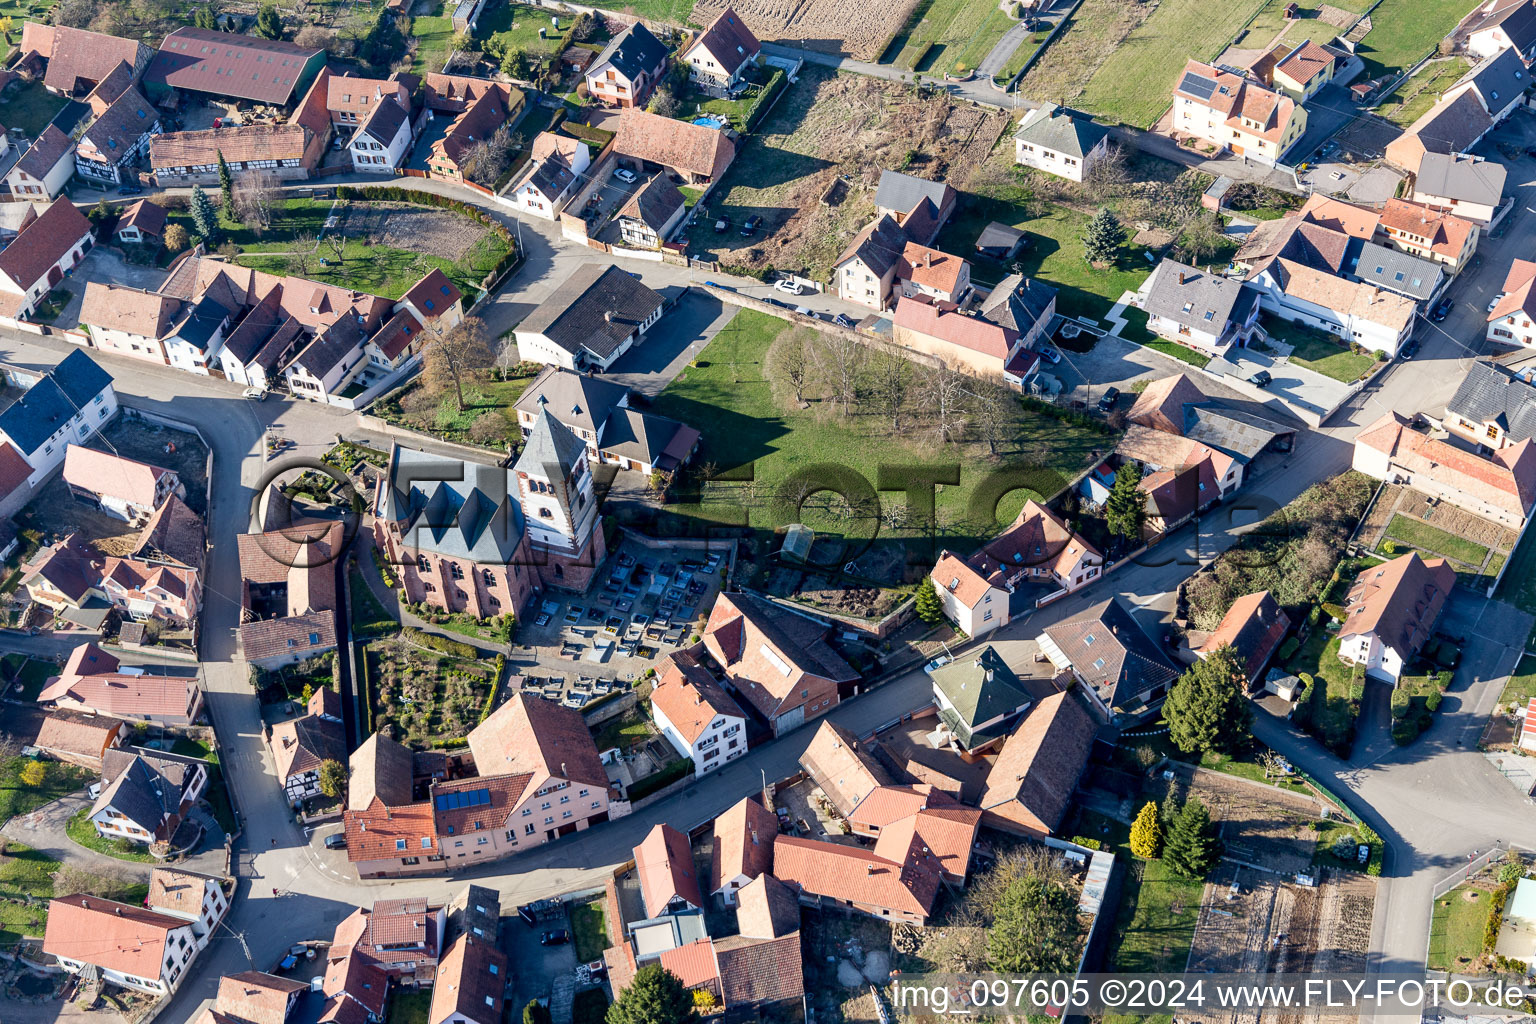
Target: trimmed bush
(662,779)
(440,643)
(1288,647)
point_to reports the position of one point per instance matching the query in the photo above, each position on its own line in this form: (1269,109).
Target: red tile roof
(946,832)
(844,769)
(39,246)
(1398,601)
(1446,233)
(664,862)
(840,872)
(433,295)
(755,973)
(1506,479)
(689,697)
(256,997)
(14,470)
(958,578)
(1305,63)
(691,148)
(81,735)
(694,963)
(225,64)
(1253,627)
(970,332)
(90,678)
(727,39)
(471,981)
(530,734)
(112,476)
(110,935)
(377,832)
(744,835)
(1041,762)
(76,55)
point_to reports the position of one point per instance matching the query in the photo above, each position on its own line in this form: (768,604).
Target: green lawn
(1317,351)
(1521,686)
(448,421)
(189,747)
(727,398)
(16,797)
(368,616)
(1181,352)
(1456,928)
(588,931)
(1431,540)
(517,27)
(434,36)
(1404,31)
(81,831)
(29,107)
(34,675)
(625,731)
(25,874)
(1271,22)
(408,1006)
(1158,909)
(1518,586)
(950,35)
(371,268)
(1332,701)
(1414,97)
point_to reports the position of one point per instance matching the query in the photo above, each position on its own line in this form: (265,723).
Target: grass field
(1317,352)
(517,26)
(676,12)
(368,616)
(1521,686)
(1331,698)
(1456,927)
(28,107)
(588,931)
(16,797)
(81,831)
(729,399)
(1158,909)
(34,675)
(27,874)
(946,35)
(1271,22)
(1414,97)
(1404,31)
(408,1006)
(434,41)
(1431,540)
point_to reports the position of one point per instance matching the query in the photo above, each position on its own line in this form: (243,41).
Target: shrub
(1087,842)
(1288,648)
(440,643)
(1400,703)
(490,698)
(1389,547)
(1432,702)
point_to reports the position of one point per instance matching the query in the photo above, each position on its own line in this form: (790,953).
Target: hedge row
(440,643)
(490,698)
(662,779)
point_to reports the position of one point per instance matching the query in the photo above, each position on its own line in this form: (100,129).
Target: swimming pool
(710,121)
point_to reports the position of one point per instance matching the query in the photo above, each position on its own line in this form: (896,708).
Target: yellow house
(1306,70)
(1236,113)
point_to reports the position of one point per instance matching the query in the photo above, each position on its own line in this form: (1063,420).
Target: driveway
(534,967)
(1309,395)
(1327,112)
(43,829)
(674,342)
(108,268)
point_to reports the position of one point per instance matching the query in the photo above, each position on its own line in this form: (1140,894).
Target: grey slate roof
(41,157)
(331,346)
(141,786)
(999,236)
(1517,19)
(551,176)
(632,51)
(1463,178)
(1498,79)
(1196,298)
(1491,393)
(980,687)
(655,203)
(637,435)
(1237,432)
(575,399)
(384,122)
(1018,302)
(551,450)
(202,323)
(899,191)
(1109,650)
(1396,271)
(452,507)
(50,403)
(575,316)
(1051,129)
(475,911)
(879,245)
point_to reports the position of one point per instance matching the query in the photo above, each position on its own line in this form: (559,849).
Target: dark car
(1442,311)
(1262,379)
(557,937)
(842,321)
(1108,399)
(336,842)
(750,227)
(130,190)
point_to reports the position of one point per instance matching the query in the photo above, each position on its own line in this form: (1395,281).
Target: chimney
(869,868)
(928,258)
(1181,277)
(608,316)
(563,773)
(118,911)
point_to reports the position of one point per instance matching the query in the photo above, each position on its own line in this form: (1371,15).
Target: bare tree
(943,390)
(302,256)
(891,381)
(841,361)
(454,355)
(995,410)
(336,242)
(1202,236)
(74,13)
(111,883)
(316,37)
(489,158)
(1107,174)
(254,199)
(789,362)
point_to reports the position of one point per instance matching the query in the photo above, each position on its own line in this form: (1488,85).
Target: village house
(78,738)
(598,411)
(120,487)
(40,255)
(646,142)
(1202,310)
(94,682)
(350,100)
(253,997)
(1509,322)
(629,67)
(118,136)
(401,936)
(65,576)
(975,602)
(472,980)
(1502,25)
(1429,233)
(695,714)
(1059,142)
(45,167)
(301,745)
(1494,406)
(288,593)
(843,769)
(775,660)
(143,591)
(979,699)
(174,535)
(198,899)
(885,881)
(650,215)
(355,988)
(142,223)
(556,167)
(743,847)
(478,106)
(1468,186)
(79,60)
(145,795)
(1500,487)
(389,831)
(664,865)
(1391,611)
(1121,668)
(1304,71)
(1030,785)
(1254,628)
(719,56)
(128,946)
(68,403)
(277,152)
(1235,113)
(919,206)
(589,320)
(382,142)
(1465,113)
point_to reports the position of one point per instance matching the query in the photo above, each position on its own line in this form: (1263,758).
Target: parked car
(130,190)
(750,227)
(1262,379)
(1049,354)
(1108,399)
(722,225)
(842,321)
(254,394)
(804,311)
(625,175)
(1496,299)
(336,842)
(1442,311)
(784,284)
(556,937)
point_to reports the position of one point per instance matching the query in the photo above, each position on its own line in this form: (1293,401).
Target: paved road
(998,56)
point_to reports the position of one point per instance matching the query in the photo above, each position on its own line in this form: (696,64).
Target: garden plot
(1403,519)
(1271,925)
(426,695)
(1259,825)
(849,28)
(831,126)
(447,236)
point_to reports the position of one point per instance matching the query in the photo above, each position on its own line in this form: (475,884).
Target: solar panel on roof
(1197,86)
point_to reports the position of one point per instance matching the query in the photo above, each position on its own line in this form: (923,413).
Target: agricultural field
(848,28)
(1414,97)
(949,36)
(833,125)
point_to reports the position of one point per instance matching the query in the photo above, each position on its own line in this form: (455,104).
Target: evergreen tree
(654,996)
(1125,510)
(1192,848)
(1147,833)
(927,602)
(269,24)
(1102,237)
(1206,710)
(536,1013)
(1033,928)
(226,186)
(204,219)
